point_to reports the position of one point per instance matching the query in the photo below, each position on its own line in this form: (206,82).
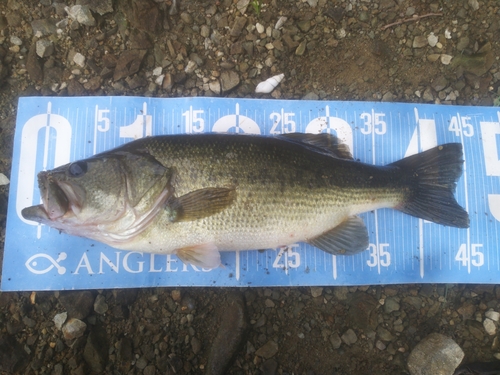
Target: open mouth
(55,201)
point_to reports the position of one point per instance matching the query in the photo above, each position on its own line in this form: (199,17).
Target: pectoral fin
(205,255)
(200,203)
(348,238)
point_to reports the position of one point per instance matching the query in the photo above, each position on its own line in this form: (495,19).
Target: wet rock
(301,48)
(384,334)
(82,14)
(43,27)
(310,96)
(267,350)
(13,357)
(186,18)
(316,291)
(79,59)
(446,59)
(349,337)
(195,345)
(269,367)
(462,44)
(489,326)
(145,15)
(128,63)
(478,63)
(493,315)
(229,80)
(242,6)
(33,64)
(96,349)
(436,354)
(335,340)
(428,95)
(230,336)
(214,86)
(362,310)
(73,329)
(78,304)
(93,84)
(391,305)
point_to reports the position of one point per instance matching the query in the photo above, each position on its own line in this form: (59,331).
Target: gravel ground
(434,51)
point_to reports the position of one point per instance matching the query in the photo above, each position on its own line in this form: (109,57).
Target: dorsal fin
(325,142)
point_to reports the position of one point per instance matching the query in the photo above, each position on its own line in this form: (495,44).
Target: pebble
(100,305)
(435,354)
(493,315)
(316,291)
(446,59)
(186,18)
(73,329)
(78,304)
(419,41)
(301,48)
(268,350)
(260,28)
(489,326)
(59,319)
(96,351)
(214,86)
(432,39)
(349,337)
(16,40)
(44,48)
(79,59)
(391,305)
(4,180)
(82,14)
(229,80)
(43,27)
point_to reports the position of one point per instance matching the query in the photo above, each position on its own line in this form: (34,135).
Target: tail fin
(432,178)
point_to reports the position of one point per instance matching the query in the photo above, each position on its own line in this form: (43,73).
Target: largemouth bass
(196,195)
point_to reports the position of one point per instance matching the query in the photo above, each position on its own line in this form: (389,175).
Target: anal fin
(204,255)
(348,238)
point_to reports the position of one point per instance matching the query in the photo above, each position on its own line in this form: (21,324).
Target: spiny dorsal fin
(200,203)
(325,142)
(348,238)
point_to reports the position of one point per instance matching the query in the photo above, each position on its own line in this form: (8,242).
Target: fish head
(102,196)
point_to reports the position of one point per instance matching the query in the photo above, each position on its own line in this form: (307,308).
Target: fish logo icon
(32,263)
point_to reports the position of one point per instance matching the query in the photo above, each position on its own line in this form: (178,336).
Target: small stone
(384,334)
(82,14)
(186,18)
(157,71)
(316,291)
(79,59)
(419,41)
(242,6)
(238,26)
(268,350)
(150,370)
(4,180)
(59,319)
(310,96)
(433,57)
(428,96)
(44,48)
(388,97)
(229,80)
(269,303)
(195,345)
(439,83)
(462,44)
(410,11)
(301,48)
(436,354)
(190,67)
(493,315)
(432,39)
(260,28)
(43,27)
(446,59)
(335,340)
(380,345)
(100,305)
(16,40)
(73,329)
(214,86)
(349,337)
(489,326)
(167,85)
(474,4)
(391,304)
(304,26)
(96,351)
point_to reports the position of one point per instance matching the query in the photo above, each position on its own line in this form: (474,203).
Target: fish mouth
(60,199)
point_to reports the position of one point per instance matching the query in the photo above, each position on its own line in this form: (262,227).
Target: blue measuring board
(54,131)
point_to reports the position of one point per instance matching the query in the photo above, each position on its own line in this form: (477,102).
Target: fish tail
(431,178)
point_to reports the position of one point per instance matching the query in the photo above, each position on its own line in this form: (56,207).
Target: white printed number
(374,123)
(194,122)
(101,118)
(287,258)
(475,258)
(382,257)
(282,122)
(459,125)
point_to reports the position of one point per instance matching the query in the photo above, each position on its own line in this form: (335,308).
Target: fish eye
(77,169)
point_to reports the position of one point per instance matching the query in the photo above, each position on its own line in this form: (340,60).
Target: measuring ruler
(54,131)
